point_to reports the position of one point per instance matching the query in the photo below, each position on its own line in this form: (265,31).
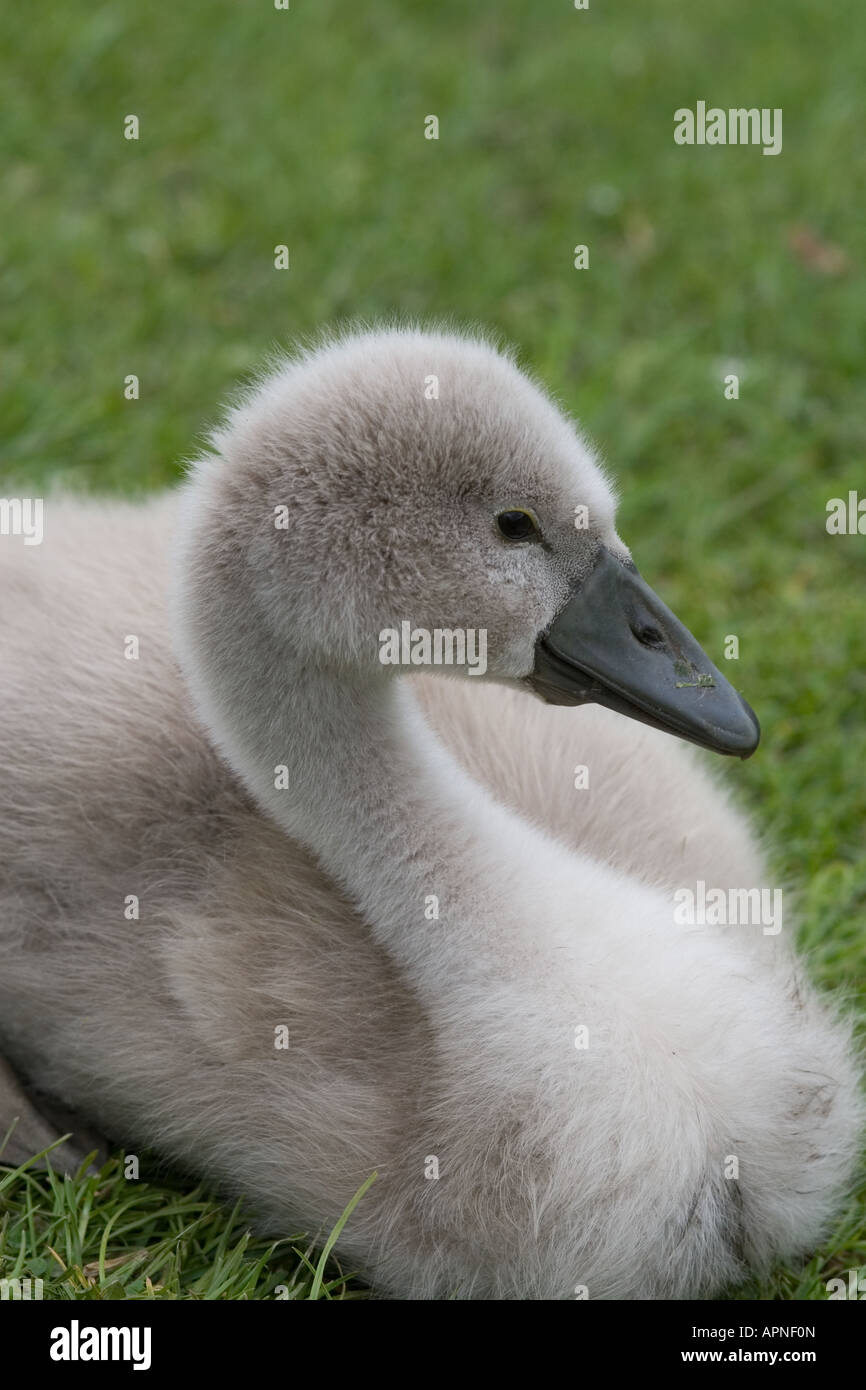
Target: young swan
(434,955)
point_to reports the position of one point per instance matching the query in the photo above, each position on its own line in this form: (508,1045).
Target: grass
(91,1237)
(305,127)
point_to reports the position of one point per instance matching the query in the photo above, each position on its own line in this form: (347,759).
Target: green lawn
(261,127)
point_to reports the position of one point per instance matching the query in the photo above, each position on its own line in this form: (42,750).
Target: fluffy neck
(450,882)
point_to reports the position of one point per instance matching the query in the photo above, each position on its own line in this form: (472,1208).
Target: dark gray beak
(616,644)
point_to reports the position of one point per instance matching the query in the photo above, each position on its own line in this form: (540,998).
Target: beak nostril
(648,634)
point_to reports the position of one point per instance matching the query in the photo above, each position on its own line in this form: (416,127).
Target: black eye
(518,525)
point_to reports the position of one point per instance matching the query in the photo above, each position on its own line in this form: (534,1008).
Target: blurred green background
(306,127)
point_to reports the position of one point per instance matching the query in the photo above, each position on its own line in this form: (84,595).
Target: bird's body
(429,925)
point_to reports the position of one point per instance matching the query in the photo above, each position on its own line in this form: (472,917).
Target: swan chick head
(399,477)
